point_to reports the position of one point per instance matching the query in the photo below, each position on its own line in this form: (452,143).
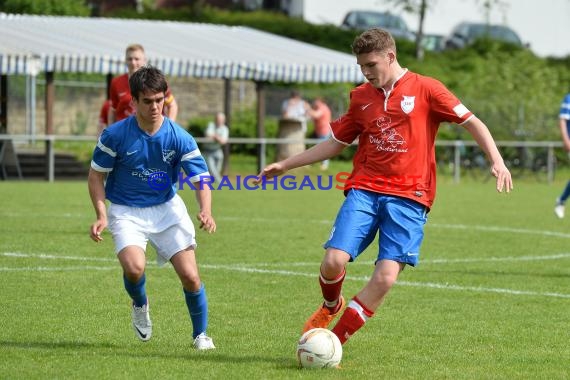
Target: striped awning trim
(31,44)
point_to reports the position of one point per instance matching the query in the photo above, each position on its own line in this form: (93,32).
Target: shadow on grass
(215,356)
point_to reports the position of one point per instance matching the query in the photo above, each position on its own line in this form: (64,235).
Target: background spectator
(218,133)
(321,115)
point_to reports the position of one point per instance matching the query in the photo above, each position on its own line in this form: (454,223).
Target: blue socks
(136,291)
(565,194)
(198,307)
(196,301)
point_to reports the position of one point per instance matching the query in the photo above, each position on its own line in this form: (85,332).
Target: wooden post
(108,80)
(49,99)
(228,112)
(4,103)
(293,130)
(260,90)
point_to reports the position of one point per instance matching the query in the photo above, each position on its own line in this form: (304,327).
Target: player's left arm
(195,167)
(204,199)
(483,137)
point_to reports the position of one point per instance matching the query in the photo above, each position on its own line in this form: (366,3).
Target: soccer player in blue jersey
(136,166)
(564,123)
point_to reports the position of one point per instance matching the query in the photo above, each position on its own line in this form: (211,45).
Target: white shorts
(167,226)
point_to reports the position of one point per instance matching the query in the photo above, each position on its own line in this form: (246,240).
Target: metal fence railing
(455,157)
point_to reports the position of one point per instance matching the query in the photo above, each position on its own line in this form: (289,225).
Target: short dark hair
(374,39)
(147,78)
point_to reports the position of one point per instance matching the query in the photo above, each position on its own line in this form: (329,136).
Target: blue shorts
(399,221)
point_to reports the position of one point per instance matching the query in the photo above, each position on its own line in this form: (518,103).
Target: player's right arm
(96,184)
(320,152)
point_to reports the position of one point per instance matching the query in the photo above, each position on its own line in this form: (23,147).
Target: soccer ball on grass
(319,348)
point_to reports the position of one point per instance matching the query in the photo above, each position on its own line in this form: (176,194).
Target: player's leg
(401,234)
(132,259)
(364,304)
(176,243)
(354,229)
(130,244)
(559,208)
(184,263)
(331,278)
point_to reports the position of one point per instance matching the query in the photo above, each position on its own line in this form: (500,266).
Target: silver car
(362,20)
(466,33)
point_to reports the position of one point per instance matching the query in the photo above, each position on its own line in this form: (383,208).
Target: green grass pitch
(489,300)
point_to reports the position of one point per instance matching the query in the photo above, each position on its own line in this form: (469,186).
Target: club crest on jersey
(407,103)
(167,155)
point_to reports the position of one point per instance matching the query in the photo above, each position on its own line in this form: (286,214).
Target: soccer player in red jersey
(122,105)
(395,117)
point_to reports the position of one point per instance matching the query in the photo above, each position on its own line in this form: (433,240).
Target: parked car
(362,20)
(466,33)
(433,42)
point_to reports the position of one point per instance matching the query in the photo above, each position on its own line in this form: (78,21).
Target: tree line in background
(517,93)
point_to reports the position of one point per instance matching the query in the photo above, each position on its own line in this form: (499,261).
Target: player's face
(149,106)
(376,67)
(135,59)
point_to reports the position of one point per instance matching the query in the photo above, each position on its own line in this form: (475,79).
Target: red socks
(353,318)
(331,290)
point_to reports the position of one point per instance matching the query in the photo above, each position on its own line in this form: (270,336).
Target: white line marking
(56,257)
(428,225)
(403,283)
(499,229)
(328,222)
(494,259)
(431,261)
(267,220)
(10,214)
(245,269)
(52,269)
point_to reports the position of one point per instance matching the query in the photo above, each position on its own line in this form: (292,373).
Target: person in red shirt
(103,116)
(395,117)
(121,100)
(321,115)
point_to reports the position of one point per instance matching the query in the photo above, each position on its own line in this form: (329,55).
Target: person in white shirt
(218,133)
(296,108)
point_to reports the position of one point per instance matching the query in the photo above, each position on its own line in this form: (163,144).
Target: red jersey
(121,99)
(396,133)
(104,113)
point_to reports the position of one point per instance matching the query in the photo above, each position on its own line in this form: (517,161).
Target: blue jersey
(565,111)
(143,170)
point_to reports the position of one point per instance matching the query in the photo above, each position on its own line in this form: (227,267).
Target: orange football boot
(322,317)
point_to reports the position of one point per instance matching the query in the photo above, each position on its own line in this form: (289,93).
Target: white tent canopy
(32,44)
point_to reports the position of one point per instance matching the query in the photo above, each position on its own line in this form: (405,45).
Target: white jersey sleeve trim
(106,149)
(466,120)
(460,110)
(98,168)
(188,156)
(337,140)
(198,177)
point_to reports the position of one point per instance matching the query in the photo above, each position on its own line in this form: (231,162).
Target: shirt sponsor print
(389,140)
